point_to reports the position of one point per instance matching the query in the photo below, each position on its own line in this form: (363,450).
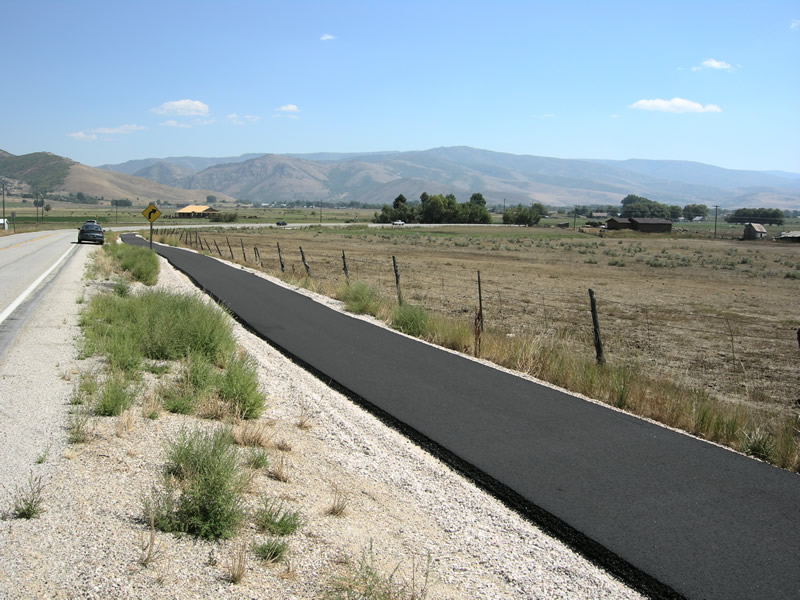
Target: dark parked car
(281,223)
(91,232)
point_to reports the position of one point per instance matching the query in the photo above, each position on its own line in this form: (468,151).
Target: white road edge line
(21,298)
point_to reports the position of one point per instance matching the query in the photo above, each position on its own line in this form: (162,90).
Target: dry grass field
(716,317)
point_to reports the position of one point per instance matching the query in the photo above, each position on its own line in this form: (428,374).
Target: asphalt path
(672,515)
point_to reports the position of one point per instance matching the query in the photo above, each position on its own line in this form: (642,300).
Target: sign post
(151,213)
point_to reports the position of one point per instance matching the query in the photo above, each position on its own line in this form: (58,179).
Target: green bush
(411,320)
(273,518)
(239,387)
(360,299)
(141,263)
(203,486)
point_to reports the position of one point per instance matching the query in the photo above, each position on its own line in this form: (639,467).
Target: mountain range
(379,177)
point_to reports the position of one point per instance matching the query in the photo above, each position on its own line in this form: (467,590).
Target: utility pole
(574,217)
(5,224)
(716,208)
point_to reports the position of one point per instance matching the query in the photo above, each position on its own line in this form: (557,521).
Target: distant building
(194,211)
(754,231)
(651,225)
(789,236)
(619,223)
(698,219)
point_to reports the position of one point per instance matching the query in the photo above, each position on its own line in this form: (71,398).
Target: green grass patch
(239,387)
(271,550)
(203,487)
(114,397)
(140,263)
(410,319)
(272,517)
(359,298)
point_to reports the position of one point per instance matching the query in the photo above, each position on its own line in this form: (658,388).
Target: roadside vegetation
(161,351)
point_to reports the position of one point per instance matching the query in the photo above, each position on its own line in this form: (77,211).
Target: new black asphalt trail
(669,514)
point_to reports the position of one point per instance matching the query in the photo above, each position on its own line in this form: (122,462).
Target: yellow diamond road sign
(151,213)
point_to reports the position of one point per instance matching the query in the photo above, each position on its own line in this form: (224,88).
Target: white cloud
(80,135)
(676,105)
(711,63)
(326,37)
(287,111)
(795,24)
(182,108)
(174,123)
(242,119)
(120,129)
(94,134)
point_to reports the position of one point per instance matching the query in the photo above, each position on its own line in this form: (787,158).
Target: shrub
(360,299)
(204,486)
(239,387)
(140,263)
(411,320)
(27,503)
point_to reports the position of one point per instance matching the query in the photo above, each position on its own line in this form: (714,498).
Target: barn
(618,223)
(651,225)
(754,231)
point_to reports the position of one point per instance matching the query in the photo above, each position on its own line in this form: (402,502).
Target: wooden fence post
(344,268)
(598,342)
(217,247)
(305,264)
(480,301)
(280,258)
(229,246)
(397,281)
(257,256)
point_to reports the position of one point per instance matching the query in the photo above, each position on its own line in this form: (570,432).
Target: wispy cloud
(325,37)
(795,24)
(174,123)
(676,105)
(545,116)
(242,119)
(288,111)
(182,108)
(81,135)
(94,134)
(711,63)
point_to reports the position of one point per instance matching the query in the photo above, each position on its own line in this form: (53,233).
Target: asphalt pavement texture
(671,515)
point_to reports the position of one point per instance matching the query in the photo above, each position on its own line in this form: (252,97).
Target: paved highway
(669,514)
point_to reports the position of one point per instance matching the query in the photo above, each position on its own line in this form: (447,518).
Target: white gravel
(404,507)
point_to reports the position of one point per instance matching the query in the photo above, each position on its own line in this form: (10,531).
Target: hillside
(378,178)
(96,182)
(41,171)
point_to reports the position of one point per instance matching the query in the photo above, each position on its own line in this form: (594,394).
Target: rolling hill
(378,178)
(54,174)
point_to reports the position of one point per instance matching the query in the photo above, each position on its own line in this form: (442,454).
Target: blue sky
(106,82)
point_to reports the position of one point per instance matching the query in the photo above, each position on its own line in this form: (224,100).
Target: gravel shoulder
(405,509)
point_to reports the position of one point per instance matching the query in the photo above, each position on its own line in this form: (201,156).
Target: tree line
(435,208)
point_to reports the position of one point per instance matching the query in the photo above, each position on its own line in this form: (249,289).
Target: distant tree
(81,197)
(675,212)
(211,199)
(124,202)
(524,215)
(690,211)
(766,216)
(47,208)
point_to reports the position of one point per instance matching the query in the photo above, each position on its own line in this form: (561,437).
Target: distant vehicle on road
(398,223)
(91,232)
(281,223)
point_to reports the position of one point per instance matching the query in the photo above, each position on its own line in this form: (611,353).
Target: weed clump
(409,319)
(203,486)
(360,299)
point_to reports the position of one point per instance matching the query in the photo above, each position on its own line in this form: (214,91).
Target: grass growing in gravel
(155,325)
(27,501)
(359,298)
(115,396)
(273,517)
(239,387)
(365,581)
(410,319)
(271,550)
(140,263)
(203,486)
